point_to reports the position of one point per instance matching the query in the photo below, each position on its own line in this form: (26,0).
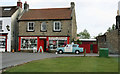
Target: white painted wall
(6,21)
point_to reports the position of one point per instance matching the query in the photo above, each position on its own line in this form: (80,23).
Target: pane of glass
(29,43)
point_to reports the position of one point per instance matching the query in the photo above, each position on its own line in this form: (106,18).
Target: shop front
(3,43)
(42,43)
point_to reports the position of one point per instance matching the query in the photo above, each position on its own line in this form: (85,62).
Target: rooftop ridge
(50,8)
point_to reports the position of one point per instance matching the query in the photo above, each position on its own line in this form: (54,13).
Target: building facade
(47,28)
(8,27)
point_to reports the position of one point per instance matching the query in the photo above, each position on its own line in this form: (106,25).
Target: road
(12,59)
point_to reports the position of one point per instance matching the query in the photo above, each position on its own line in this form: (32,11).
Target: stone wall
(65,28)
(101,41)
(112,41)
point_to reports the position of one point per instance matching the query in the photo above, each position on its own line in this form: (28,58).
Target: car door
(68,48)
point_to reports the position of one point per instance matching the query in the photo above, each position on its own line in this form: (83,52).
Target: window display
(55,42)
(2,41)
(28,43)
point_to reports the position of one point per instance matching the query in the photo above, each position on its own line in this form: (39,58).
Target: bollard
(85,53)
(13,51)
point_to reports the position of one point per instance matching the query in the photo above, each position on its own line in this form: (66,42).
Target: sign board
(29,37)
(57,38)
(42,37)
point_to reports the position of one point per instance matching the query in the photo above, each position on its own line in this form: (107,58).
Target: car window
(68,45)
(74,45)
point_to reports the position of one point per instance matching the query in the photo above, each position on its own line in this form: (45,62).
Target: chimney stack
(26,6)
(72,5)
(19,4)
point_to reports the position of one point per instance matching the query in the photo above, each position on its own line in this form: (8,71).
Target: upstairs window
(30,26)
(57,26)
(0,26)
(7,9)
(43,26)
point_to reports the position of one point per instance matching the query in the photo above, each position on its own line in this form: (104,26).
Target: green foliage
(84,35)
(111,28)
(99,34)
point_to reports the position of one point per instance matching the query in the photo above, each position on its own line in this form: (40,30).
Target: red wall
(86,45)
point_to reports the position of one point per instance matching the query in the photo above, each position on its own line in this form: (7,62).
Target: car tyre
(60,52)
(77,52)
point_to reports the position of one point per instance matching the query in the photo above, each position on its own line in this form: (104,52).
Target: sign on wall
(57,38)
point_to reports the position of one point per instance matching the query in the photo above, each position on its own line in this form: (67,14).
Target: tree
(99,34)
(109,29)
(113,27)
(84,35)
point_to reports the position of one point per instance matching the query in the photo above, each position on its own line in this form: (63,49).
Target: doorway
(42,42)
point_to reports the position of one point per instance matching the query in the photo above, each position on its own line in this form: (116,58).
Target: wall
(74,25)
(7,21)
(112,41)
(14,29)
(64,30)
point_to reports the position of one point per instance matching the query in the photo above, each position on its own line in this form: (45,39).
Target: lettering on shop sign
(57,38)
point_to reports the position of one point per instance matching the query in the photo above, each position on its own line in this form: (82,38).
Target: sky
(94,15)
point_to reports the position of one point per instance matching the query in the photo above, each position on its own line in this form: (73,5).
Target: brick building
(49,28)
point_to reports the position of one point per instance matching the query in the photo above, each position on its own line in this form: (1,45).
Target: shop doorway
(42,42)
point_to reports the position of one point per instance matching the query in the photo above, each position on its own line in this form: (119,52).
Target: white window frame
(28,26)
(1,25)
(42,26)
(59,26)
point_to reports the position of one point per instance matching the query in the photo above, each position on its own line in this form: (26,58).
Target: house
(47,28)
(89,44)
(9,26)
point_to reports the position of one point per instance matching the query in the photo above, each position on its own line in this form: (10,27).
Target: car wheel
(77,52)
(60,52)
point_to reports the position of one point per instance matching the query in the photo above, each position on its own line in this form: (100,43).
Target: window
(74,45)
(43,26)
(0,25)
(2,42)
(57,26)
(28,43)
(7,9)
(30,26)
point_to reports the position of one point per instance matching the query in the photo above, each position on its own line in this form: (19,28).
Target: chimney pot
(19,3)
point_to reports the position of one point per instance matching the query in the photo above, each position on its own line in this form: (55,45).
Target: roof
(87,39)
(7,11)
(50,13)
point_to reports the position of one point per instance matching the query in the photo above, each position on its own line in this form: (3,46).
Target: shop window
(43,26)
(2,42)
(53,44)
(57,26)
(0,26)
(30,26)
(28,43)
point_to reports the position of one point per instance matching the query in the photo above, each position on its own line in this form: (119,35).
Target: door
(68,48)
(42,43)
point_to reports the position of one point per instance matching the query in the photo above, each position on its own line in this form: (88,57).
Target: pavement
(13,59)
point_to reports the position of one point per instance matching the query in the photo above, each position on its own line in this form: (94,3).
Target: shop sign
(2,37)
(57,38)
(42,37)
(29,37)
